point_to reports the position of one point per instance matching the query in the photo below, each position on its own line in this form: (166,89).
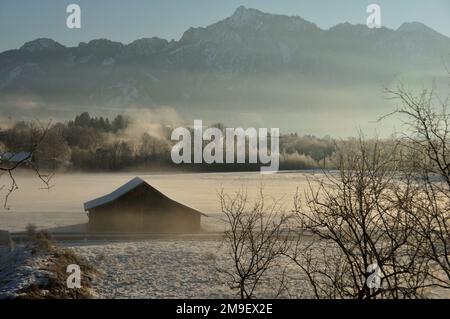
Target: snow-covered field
(182,269)
(142,269)
(154,269)
(168,269)
(157,269)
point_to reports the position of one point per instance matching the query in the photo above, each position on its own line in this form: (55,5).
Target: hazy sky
(125,21)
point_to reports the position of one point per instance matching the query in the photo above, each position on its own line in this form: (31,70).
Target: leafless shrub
(357,215)
(256,239)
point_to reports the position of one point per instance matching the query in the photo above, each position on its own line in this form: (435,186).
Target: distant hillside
(251,68)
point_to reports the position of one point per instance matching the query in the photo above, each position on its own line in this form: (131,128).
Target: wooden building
(139,207)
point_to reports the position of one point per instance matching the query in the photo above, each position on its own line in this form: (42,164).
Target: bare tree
(11,161)
(427,123)
(256,239)
(427,137)
(365,244)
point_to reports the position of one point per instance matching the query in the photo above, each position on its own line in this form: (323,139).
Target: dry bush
(357,215)
(256,239)
(42,242)
(54,285)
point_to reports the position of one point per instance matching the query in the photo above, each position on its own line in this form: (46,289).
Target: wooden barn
(139,207)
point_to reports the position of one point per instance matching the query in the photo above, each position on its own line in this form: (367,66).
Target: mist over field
(62,205)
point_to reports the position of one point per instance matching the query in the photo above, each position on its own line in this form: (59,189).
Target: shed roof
(122,190)
(15,157)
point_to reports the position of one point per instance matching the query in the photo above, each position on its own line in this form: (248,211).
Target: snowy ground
(178,269)
(139,269)
(157,269)
(18,269)
(14,272)
(165,269)
(150,269)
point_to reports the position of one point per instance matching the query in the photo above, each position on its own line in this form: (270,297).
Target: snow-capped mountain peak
(244,16)
(41,44)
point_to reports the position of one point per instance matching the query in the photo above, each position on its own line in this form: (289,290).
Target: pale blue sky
(125,21)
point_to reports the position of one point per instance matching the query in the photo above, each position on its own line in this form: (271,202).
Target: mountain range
(252,68)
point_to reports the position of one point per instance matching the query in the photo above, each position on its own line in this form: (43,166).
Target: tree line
(89,143)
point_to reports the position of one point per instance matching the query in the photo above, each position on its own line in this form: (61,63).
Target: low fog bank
(62,205)
(321,107)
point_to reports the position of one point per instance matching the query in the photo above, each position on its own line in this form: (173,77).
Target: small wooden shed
(139,207)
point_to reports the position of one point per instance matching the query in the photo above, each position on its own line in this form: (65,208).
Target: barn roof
(122,190)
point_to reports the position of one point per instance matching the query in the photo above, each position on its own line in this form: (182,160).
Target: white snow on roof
(15,157)
(122,190)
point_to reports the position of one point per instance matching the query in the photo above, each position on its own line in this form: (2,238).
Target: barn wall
(140,211)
